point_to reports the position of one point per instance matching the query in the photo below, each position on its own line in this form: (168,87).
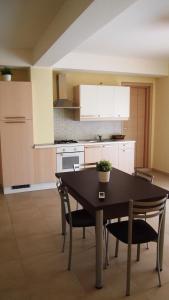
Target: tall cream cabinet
(16,134)
(16,152)
(15,100)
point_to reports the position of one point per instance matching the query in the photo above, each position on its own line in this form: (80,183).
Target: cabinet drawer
(69,149)
(126,146)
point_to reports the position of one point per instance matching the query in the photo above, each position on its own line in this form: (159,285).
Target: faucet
(100,137)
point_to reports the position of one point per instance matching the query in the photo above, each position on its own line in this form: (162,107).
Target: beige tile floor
(33,267)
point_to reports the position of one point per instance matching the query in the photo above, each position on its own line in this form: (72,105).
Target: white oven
(67,156)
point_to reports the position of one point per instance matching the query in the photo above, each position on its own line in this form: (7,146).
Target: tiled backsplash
(65,127)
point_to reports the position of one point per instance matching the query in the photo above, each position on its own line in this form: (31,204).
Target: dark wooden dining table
(84,186)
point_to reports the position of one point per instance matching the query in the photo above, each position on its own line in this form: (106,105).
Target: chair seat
(81,218)
(142,232)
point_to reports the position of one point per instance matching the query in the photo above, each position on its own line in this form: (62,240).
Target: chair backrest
(64,197)
(78,167)
(150,209)
(144,175)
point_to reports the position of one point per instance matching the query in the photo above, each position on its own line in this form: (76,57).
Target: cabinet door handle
(15,117)
(14,122)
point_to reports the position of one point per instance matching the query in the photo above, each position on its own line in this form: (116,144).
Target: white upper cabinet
(122,102)
(106,100)
(89,101)
(99,102)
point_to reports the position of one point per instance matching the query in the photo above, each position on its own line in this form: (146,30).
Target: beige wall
(42,92)
(76,78)
(161,136)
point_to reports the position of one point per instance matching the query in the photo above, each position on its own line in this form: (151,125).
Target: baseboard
(162,172)
(33,187)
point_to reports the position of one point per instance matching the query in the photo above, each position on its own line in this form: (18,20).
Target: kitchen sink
(97,141)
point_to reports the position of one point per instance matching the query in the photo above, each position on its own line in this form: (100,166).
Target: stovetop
(65,141)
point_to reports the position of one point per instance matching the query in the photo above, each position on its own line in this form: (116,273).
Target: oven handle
(62,153)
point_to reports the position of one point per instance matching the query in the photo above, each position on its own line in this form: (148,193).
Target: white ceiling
(130,36)
(141,31)
(22,22)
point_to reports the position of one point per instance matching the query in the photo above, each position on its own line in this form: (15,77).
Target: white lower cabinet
(110,152)
(126,157)
(93,153)
(121,155)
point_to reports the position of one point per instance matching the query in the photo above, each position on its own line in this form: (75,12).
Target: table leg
(161,245)
(99,249)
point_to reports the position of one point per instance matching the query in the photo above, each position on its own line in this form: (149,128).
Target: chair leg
(128,270)
(138,252)
(117,248)
(158,264)
(70,248)
(117,244)
(84,232)
(64,240)
(107,248)
(146,243)
(104,232)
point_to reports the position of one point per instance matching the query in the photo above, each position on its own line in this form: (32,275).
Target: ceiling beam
(113,64)
(75,22)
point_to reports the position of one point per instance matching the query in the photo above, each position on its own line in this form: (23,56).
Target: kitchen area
(88,126)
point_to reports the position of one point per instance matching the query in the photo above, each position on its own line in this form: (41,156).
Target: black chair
(79,167)
(144,175)
(75,219)
(149,178)
(137,231)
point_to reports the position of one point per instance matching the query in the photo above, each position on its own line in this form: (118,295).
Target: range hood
(63,103)
(62,100)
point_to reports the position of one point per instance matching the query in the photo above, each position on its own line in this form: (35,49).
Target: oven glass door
(65,161)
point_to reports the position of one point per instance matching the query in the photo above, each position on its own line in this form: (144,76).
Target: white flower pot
(7,77)
(104,176)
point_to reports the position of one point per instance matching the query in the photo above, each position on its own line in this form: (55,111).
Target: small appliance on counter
(118,137)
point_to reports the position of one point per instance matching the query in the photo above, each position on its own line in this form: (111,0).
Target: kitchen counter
(82,143)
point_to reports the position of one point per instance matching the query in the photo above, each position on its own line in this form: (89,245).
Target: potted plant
(104,167)
(6,74)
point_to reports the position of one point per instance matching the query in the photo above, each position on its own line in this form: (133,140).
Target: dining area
(34,266)
(126,217)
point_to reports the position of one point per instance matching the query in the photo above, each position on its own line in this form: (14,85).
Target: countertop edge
(81,143)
